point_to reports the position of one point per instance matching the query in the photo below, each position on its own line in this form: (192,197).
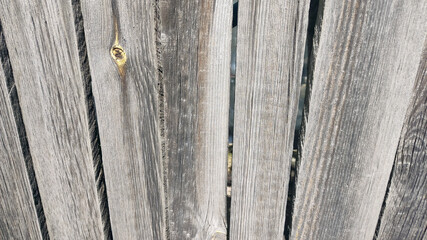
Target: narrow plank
(126,92)
(270,54)
(405,213)
(196,52)
(43,52)
(17,210)
(366,59)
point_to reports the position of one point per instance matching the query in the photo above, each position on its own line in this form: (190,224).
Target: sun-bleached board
(42,46)
(270,54)
(405,213)
(195,52)
(18,218)
(366,60)
(126,92)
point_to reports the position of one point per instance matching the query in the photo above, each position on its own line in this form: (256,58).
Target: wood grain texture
(405,213)
(17,210)
(366,60)
(43,52)
(196,45)
(126,93)
(270,52)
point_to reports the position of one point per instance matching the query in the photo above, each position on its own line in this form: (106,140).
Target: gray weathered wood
(196,45)
(270,52)
(18,218)
(366,60)
(42,46)
(121,41)
(405,213)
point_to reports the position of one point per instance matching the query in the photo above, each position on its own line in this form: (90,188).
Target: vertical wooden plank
(121,43)
(405,213)
(43,51)
(17,210)
(363,75)
(270,54)
(196,45)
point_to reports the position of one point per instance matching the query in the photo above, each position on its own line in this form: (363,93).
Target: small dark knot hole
(118,52)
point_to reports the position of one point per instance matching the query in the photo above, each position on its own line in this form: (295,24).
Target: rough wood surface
(366,60)
(196,44)
(43,52)
(405,213)
(121,43)
(270,52)
(18,218)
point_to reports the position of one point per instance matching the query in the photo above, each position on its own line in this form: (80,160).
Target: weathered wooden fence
(114,119)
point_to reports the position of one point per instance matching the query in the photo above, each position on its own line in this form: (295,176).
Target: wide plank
(270,53)
(195,52)
(121,44)
(18,218)
(43,51)
(405,213)
(366,57)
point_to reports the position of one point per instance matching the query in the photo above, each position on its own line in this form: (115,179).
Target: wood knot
(118,53)
(119,56)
